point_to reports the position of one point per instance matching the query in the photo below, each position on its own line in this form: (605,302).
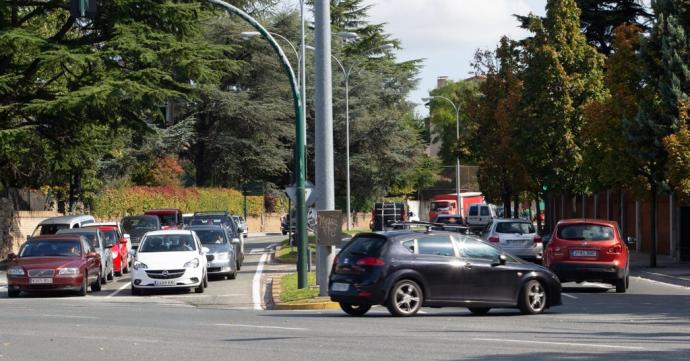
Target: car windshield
(449,220)
(440,206)
(168,219)
(142,223)
(89,236)
(473,211)
(364,246)
(168,243)
(515,227)
(51,248)
(585,232)
(211,236)
(206,221)
(49,229)
(110,237)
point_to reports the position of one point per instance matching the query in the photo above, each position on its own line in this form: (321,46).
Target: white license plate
(164,282)
(40,281)
(516,241)
(340,287)
(583,253)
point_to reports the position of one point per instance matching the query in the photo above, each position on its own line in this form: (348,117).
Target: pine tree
(600,18)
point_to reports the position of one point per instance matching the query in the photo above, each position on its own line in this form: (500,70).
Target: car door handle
(468,265)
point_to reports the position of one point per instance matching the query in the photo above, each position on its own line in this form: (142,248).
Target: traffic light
(83,8)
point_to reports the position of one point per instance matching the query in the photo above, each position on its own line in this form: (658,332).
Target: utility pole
(324,133)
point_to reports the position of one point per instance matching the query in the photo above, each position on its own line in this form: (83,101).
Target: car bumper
(363,293)
(219,267)
(531,254)
(582,271)
(58,283)
(192,277)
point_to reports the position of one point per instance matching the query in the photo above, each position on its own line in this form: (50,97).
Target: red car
(589,250)
(170,218)
(113,236)
(54,262)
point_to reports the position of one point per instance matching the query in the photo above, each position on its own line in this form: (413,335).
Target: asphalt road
(650,322)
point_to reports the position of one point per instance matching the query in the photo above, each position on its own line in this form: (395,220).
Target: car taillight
(335,263)
(370,261)
(494,239)
(617,249)
(537,239)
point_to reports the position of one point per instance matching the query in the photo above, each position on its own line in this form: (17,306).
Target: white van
(52,225)
(480,215)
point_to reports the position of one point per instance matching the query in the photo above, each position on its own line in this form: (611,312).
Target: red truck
(447,203)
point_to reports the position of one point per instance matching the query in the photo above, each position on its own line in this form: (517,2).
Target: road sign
(329,228)
(255,188)
(309,194)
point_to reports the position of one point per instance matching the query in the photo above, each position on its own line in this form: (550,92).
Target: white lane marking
(265,327)
(203,296)
(256,251)
(256,283)
(663,275)
(660,283)
(118,290)
(72,316)
(569,296)
(560,343)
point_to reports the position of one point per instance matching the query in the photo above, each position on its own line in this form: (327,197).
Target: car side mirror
(235,241)
(631,242)
(12,256)
(93,255)
(502,259)
(205,250)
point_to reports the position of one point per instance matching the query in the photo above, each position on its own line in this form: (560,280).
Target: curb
(277,305)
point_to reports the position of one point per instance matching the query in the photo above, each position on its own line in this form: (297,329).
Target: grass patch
(290,293)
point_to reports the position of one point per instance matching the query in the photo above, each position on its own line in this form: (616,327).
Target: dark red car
(170,218)
(589,250)
(54,262)
(114,237)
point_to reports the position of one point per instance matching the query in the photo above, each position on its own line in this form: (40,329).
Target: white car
(169,259)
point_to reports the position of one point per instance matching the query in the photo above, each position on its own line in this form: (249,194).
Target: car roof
(67,219)
(212,213)
(169,232)
(404,233)
(95,224)
(203,227)
(162,211)
(588,221)
(87,230)
(149,216)
(56,237)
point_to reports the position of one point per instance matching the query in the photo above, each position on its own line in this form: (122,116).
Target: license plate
(165,283)
(516,241)
(340,287)
(583,253)
(40,281)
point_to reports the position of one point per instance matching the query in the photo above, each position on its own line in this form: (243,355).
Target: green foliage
(599,20)
(289,291)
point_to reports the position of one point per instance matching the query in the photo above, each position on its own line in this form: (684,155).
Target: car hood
(166,260)
(47,262)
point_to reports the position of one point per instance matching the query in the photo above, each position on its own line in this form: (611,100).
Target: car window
(87,246)
(440,206)
(585,232)
(436,245)
(364,246)
(514,227)
(485,211)
(473,211)
(168,243)
(471,248)
(409,245)
(110,237)
(50,248)
(211,236)
(49,229)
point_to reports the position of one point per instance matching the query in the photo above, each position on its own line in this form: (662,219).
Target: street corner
(275,303)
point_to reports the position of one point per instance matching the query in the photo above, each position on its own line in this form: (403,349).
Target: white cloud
(448,32)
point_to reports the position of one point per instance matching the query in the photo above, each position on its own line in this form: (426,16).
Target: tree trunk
(652,252)
(516,206)
(506,205)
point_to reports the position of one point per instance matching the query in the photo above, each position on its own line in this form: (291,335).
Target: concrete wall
(15,226)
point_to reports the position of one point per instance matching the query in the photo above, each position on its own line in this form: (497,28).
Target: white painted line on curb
(118,290)
(663,275)
(256,283)
(569,296)
(660,283)
(72,316)
(266,327)
(588,345)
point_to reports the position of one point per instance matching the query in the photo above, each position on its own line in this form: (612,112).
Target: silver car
(222,258)
(97,240)
(241,224)
(515,236)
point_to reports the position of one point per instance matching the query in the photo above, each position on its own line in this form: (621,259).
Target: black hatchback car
(405,270)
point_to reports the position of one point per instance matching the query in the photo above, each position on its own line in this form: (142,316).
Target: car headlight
(15,271)
(192,264)
(220,256)
(115,254)
(68,271)
(139,265)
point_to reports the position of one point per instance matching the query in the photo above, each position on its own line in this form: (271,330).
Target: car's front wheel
(13,292)
(201,287)
(96,285)
(532,298)
(354,309)
(84,286)
(405,299)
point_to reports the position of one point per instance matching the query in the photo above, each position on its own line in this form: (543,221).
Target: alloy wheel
(406,299)
(536,296)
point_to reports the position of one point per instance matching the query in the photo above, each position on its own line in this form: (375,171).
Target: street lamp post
(300,166)
(457,156)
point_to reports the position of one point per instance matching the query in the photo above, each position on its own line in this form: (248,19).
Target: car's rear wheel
(13,292)
(233,275)
(479,311)
(532,298)
(84,286)
(354,309)
(96,285)
(622,284)
(405,299)
(111,274)
(103,278)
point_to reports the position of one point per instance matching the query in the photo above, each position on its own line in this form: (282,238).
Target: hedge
(118,202)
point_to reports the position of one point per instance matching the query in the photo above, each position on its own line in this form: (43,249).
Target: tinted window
(436,245)
(485,211)
(473,211)
(49,229)
(110,237)
(364,246)
(514,227)
(585,232)
(212,236)
(440,206)
(409,245)
(168,243)
(139,223)
(168,219)
(471,248)
(50,248)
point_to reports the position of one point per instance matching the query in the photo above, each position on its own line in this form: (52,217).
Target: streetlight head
(246,35)
(347,35)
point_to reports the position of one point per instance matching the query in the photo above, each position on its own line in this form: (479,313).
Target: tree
(664,98)
(600,18)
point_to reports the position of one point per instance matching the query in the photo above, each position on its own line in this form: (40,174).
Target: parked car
(98,242)
(170,218)
(406,270)
(52,225)
(225,219)
(137,226)
(222,259)
(241,224)
(119,247)
(54,262)
(169,259)
(515,236)
(590,250)
(480,215)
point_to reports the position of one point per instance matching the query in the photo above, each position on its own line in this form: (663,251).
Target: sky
(446,33)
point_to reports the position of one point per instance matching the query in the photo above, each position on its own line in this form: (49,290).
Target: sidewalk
(668,270)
